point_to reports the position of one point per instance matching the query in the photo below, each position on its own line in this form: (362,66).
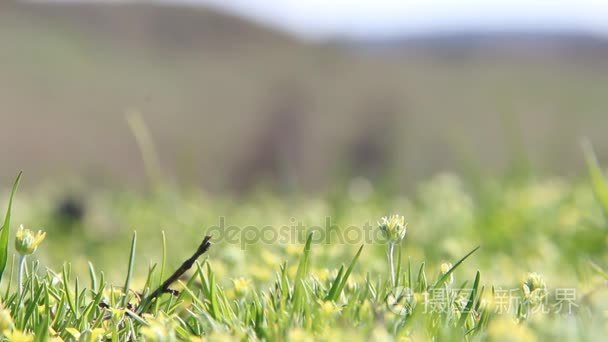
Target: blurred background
(299,95)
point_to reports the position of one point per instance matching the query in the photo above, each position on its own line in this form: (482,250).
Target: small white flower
(393,227)
(534,287)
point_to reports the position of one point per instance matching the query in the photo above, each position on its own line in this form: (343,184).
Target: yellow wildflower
(504,329)
(26,241)
(299,335)
(160,328)
(6,321)
(328,308)
(18,336)
(241,286)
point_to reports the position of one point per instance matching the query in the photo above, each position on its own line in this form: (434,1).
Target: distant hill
(230,102)
(190,27)
(156,26)
(565,44)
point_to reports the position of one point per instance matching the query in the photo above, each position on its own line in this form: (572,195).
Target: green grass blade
(304,260)
(409,273)
(598,180)
(125,299)
(447,274)
(148,151)
(599,270)
(42,330)
(32,305)
(422,282)
(10,277)
(398,272)
(164,258)
(163,264)
(467,310)
(298,295)
(92,276)
(347,273)
(215,308)
(66,288)
(335,285)
(5,230)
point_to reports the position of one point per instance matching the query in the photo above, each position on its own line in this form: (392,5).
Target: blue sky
(319,18)
(322,18)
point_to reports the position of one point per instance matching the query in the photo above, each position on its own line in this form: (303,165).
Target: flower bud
(393,227)
(26,241)
(534,288)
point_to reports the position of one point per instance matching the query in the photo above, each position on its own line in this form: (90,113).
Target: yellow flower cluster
(159,329)
(241,286)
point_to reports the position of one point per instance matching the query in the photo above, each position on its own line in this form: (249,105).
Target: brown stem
(186,265)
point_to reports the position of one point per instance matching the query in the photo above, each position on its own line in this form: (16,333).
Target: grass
(492,260)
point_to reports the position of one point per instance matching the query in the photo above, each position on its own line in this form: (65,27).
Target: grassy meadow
(512,259)
(316,170)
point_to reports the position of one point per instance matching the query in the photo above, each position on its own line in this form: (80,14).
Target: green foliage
(5,229)
(598,182)
(323,290)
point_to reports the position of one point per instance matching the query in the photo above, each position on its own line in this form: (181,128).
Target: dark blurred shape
(70,211)
(372,151)
(276,151)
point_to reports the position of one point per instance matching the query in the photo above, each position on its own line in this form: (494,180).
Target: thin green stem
(391,261)
(21,272)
